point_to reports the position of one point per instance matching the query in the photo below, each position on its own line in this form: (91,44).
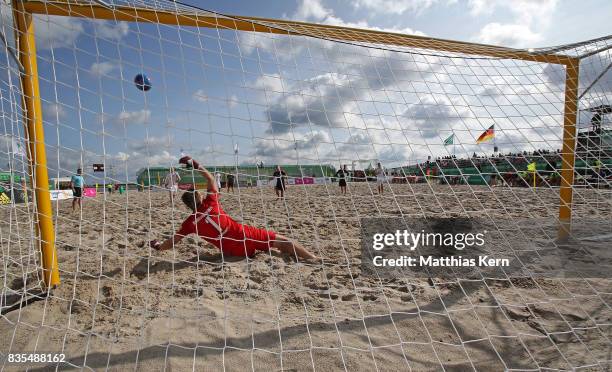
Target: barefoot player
(380,178)
(280,177)
(76,184)
(171,183)
(210,221)
(229,182)
(218,180)
(341,174)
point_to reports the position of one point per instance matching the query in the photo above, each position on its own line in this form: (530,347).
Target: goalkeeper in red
(215,226)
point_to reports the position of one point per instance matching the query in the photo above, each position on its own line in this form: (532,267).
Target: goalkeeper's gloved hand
(189,162)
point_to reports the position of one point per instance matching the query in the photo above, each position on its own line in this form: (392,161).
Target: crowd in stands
(518,159)
(512,168)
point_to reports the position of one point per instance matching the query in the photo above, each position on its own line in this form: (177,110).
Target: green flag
(450,140)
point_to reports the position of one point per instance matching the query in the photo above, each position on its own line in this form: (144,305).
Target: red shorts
(254,240)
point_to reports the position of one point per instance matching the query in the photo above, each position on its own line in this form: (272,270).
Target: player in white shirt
(218,180)
(380,178)
(171,183)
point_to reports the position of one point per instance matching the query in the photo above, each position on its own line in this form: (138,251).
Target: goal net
(429,130)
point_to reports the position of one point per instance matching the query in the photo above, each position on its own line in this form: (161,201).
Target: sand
(122,306)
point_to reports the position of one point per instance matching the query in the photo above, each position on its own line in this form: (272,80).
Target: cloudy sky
(297,99)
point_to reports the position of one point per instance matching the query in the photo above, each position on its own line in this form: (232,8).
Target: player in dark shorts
(280,177)
(342,173)
(213,224)
(493,180)
(76,184)
(230,182)
(507,177)
(77,192)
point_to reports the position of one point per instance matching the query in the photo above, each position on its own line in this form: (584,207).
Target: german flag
(488,134)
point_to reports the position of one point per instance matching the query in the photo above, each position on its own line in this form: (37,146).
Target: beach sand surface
(122,306)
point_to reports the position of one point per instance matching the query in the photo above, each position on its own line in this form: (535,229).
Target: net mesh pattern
(311,99)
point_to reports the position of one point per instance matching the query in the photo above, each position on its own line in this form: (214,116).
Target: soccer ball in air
(142,82)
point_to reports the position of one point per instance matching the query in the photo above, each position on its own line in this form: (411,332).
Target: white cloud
(153,157)
(148,152)
(110,30)
(51,32)
(164,158)
(286,48)
(282,148)
(63,32)
(57,32)
(272,83)
(315,11)
(479,7)
(320,100)
(530,19)
(150,144)
(233,101)
(320,147)
(102,68)
(525,11)
(134,117)
(122,156)
(394,6)
(53,111)
(200,96)
(312,9)
(511,35)
(135,160)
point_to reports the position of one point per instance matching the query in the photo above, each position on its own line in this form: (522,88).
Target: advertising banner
(5,197)
(297,181)
(60,194)
(304,181)
(90,192)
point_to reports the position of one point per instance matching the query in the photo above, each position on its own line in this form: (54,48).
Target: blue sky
(539,22)
(290,99)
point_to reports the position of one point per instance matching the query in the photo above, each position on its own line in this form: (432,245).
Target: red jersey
(216,227)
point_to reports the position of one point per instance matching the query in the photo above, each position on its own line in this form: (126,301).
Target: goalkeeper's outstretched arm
(211,187)
(210,179)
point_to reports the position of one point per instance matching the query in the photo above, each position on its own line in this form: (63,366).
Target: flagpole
(494,141)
